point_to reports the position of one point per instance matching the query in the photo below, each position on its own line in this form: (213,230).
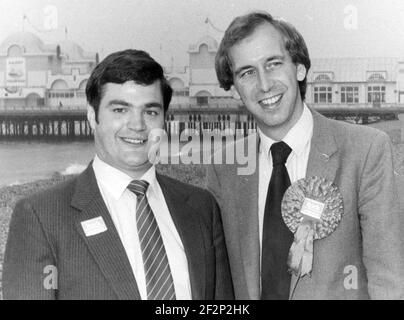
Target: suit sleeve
(381,223)
(223,283)
(29,264)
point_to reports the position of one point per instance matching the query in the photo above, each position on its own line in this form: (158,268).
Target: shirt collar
(116,181)
(297,137)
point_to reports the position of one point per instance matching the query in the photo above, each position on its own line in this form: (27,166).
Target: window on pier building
(181,93)
(349,94)
(33,100)
(201,101)
(376,94)
(62,94)
(323,94)
(377,76)
(202,98)
(323,78)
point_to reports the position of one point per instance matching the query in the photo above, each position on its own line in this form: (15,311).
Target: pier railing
(70,122)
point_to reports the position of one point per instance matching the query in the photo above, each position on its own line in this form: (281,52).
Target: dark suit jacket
(46,230)
(364,257)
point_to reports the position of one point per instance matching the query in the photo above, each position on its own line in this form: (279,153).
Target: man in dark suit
(119,230)
(265,61)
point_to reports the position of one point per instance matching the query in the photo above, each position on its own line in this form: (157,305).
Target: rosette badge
(312,208)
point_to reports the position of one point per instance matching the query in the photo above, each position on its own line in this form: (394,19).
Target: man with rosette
(349,244)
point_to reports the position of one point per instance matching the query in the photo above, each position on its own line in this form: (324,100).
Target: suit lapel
(247,214)
(106,247)
(188,227)
(323,160)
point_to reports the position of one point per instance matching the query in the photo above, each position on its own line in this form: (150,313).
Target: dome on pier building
(24,41)
(72,51)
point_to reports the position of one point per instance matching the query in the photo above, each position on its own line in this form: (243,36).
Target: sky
(165,28)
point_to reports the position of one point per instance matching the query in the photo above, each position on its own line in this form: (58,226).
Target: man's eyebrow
(241,69)
(277,57)
(272,58)
(153,105)
(119,102)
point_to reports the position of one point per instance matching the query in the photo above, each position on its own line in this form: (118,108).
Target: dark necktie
(159,281)
(276,238)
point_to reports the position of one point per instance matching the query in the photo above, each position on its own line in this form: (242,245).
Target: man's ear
(91,116)
(234,93)
(301,72)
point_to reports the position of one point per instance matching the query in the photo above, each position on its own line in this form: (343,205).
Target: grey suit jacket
(364,257)
(46,230)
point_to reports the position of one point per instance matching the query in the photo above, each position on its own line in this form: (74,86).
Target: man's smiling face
(126,115)
(266,80)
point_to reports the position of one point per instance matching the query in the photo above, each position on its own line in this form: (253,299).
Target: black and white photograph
(201,150)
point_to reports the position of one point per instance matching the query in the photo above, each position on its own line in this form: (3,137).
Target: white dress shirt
(121,204)
(299,140)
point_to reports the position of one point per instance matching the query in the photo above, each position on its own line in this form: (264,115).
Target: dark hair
(242,27)
(122,66)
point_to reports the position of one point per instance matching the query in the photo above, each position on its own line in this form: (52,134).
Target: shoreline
(183,172)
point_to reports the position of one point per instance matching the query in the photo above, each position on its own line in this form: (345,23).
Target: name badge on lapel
(94,226)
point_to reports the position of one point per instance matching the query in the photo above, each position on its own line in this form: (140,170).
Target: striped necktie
(159,281)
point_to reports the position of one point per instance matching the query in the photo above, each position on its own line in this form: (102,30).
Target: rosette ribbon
(300,258)
(312,208)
